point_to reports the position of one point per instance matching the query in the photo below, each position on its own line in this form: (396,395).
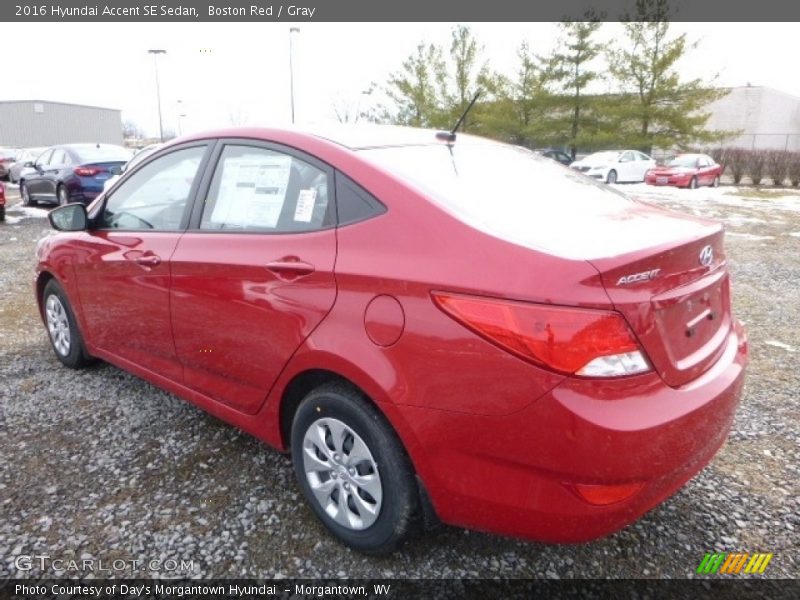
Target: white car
(615,165)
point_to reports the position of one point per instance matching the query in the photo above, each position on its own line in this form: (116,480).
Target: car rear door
(643,164)
(58,161)
(627,167)
(706,170)
(124,272)
(254,274)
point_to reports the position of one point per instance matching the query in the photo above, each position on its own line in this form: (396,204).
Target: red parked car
(2,202)
(438,327)
(686,170)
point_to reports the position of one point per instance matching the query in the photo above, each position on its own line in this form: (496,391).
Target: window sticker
(252,191)
(305,206)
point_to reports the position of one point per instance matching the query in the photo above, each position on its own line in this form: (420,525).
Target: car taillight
(574,341)
(87,171)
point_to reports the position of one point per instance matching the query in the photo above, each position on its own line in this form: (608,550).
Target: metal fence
(765,141)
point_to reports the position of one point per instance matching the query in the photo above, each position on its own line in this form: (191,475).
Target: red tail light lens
(562,339)
(87,171)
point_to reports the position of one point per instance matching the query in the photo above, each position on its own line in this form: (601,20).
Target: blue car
(71,173)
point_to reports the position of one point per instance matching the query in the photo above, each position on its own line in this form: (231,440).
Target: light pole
(155,54)
(291,68)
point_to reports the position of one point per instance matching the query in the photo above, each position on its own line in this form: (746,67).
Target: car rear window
(500,189)
(90,154)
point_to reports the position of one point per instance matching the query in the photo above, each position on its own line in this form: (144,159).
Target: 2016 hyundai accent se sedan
(434,326)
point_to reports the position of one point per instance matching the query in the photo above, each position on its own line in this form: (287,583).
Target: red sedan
(686,170)
(431,325)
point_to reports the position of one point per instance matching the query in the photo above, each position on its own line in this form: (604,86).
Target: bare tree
(238,117)
(130,129)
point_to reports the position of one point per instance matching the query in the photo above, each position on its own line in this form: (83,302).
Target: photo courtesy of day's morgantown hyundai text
(431,335)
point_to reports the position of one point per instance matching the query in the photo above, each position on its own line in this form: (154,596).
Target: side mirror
(28,164)
(71,217)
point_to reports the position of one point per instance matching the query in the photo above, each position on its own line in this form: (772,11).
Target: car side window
(44,158)
(154,198)
(353,202)
(262,190)
(58,157)
(642,156)
(626,157)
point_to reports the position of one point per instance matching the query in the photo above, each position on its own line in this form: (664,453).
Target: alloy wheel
(58,324)
(342,473)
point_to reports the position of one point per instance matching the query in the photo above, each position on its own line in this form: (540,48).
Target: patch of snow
(749,236)
(795,234)
(14,214)
(737,220)
(781,345)
(789,199)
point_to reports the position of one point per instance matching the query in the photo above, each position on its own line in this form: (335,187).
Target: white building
(765,118)
(25,123)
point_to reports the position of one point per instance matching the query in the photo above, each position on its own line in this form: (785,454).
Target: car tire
(611,177)
(353,470)
(715,183)
(2,213)
(693,183)
(62,195)
(25,195)
(65,336)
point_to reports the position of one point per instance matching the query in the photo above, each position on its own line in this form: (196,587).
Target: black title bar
(383,10)
(705,588)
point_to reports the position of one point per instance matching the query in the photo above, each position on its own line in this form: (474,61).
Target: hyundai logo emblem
(706,256)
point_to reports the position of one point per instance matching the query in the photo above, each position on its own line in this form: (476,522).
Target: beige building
(765,118)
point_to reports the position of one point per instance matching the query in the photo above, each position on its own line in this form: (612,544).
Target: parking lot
(98,464)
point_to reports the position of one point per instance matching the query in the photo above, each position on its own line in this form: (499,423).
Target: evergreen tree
(656,108)
(570,67)
(467,77)
(416,90)
(519,109)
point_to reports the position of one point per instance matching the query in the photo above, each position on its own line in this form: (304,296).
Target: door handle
(150,260)
(290,269)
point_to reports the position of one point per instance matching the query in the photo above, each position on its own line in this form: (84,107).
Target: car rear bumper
(677,180)
(517,474)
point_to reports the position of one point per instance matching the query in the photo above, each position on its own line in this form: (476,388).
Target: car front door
(124,274)
(34,181)
(254,275)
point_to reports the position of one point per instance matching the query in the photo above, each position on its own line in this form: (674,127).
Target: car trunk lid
(676,298)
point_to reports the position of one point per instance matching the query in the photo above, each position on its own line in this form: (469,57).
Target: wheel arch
(305,381)
(42,279)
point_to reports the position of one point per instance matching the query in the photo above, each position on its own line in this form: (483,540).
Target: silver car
(25,159)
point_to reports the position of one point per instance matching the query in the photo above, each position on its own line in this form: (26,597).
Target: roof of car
(354,137)
(376,136)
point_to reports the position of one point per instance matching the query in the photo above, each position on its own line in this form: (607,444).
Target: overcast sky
(238,73)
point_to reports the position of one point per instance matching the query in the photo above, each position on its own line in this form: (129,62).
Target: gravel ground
(99,464)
